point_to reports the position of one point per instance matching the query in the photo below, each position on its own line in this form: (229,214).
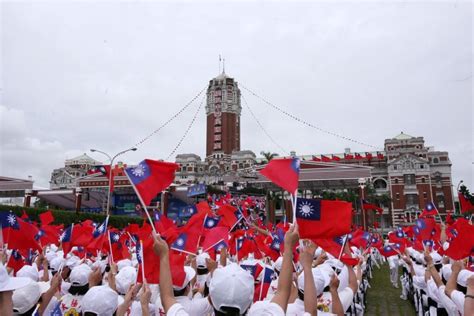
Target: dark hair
(28,312)
(78,289)
(180,292)
(461,288)
(438,267)
(301,295)
(227,311)
(201,271)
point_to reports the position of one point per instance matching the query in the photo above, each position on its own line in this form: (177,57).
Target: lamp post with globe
(111,159)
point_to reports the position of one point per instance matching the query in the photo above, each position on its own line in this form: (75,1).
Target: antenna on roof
(223,65)
(220,60)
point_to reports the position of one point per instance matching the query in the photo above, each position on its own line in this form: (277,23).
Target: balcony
(410,189)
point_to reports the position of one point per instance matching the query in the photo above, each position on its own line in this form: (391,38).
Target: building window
(410,179)
(394,167)
(397,195)
(422,166)
(423,180)
(425,195)
(412,199)
(396,181)
(435,160)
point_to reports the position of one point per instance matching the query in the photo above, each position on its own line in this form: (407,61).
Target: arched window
(435,160)
(396,181)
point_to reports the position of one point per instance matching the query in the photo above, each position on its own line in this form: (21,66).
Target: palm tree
(268,155)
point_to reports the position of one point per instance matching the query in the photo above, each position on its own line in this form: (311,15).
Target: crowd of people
(255,269)
(317,284)
(433,282)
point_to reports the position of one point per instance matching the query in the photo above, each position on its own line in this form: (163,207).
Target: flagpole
(294,201)
(143,204)
(110,247)
(261,283)
(437,212)
(342,248)
(143,262)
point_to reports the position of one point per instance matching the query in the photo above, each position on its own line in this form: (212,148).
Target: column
(27,199)
(78,199)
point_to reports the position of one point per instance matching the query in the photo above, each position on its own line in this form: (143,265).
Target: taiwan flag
(368,206)
(424,228)
(389,250)
(429,211)
(261,289)
(17,233)
(323,218)
(211,222)
(65,240)
(150,177)
(283,172)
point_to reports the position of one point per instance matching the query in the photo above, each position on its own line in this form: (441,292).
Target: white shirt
(447,303)
(177,310)
(458,298)
(195,306)
(71,304)
(266,308)
(272,290)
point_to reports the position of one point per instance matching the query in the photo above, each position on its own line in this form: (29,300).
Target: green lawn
(383,299)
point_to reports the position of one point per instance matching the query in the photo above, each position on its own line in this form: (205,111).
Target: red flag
(15,261)
(17,233)
(325,159)
(46,218)
(380,156)
(315,158)
(230,215)
(333,247)
(335,158)
(151,262)
(323,218)
(466,205)
(348,156)
(462,245)
(390,250)
(214,236)
(150,177)
(283,172)
(368,206)
(368,155)
(24,216)
(358,156)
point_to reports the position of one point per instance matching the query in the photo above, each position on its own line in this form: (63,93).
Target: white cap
(463,276)
(437,259)
(26,297)
(50,255)
(28,271)
(231,286)
(201,260)
(321,280)
(101,300)
(124,263)
(100,263)
(73,261)
(56,263)
(8,283)
(446,271)
(136,309)
(126,277)
(80,275)
(278,263)
(190,274)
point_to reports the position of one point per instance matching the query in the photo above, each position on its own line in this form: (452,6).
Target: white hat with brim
(190,274)
(8,283)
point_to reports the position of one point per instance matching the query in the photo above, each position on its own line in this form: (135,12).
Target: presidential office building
(409,172)
(224,158)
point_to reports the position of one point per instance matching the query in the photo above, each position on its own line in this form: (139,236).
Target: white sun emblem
(220,246)
(139,170)
(211,222)
(100,229)
(11,219)
(116,237)
(306,209)
(277,245)
(180,242)
(63,235)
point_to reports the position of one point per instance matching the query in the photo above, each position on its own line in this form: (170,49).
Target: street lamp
(111,166)
(362,182)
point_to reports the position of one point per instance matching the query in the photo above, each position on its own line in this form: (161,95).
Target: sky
(81,75)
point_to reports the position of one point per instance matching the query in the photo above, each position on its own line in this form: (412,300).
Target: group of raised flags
(356,156)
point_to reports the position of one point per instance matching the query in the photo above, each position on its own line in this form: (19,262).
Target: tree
(268,155)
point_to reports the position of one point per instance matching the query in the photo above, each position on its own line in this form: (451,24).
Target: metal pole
(110,173)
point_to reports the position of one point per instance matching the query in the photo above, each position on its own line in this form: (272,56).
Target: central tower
(223,117)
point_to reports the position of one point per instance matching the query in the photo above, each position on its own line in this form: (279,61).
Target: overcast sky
(103,75)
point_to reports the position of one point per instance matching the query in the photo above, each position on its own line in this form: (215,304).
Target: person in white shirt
(456,287)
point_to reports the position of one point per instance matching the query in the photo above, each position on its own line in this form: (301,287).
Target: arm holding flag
(284,282)
(166,284)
